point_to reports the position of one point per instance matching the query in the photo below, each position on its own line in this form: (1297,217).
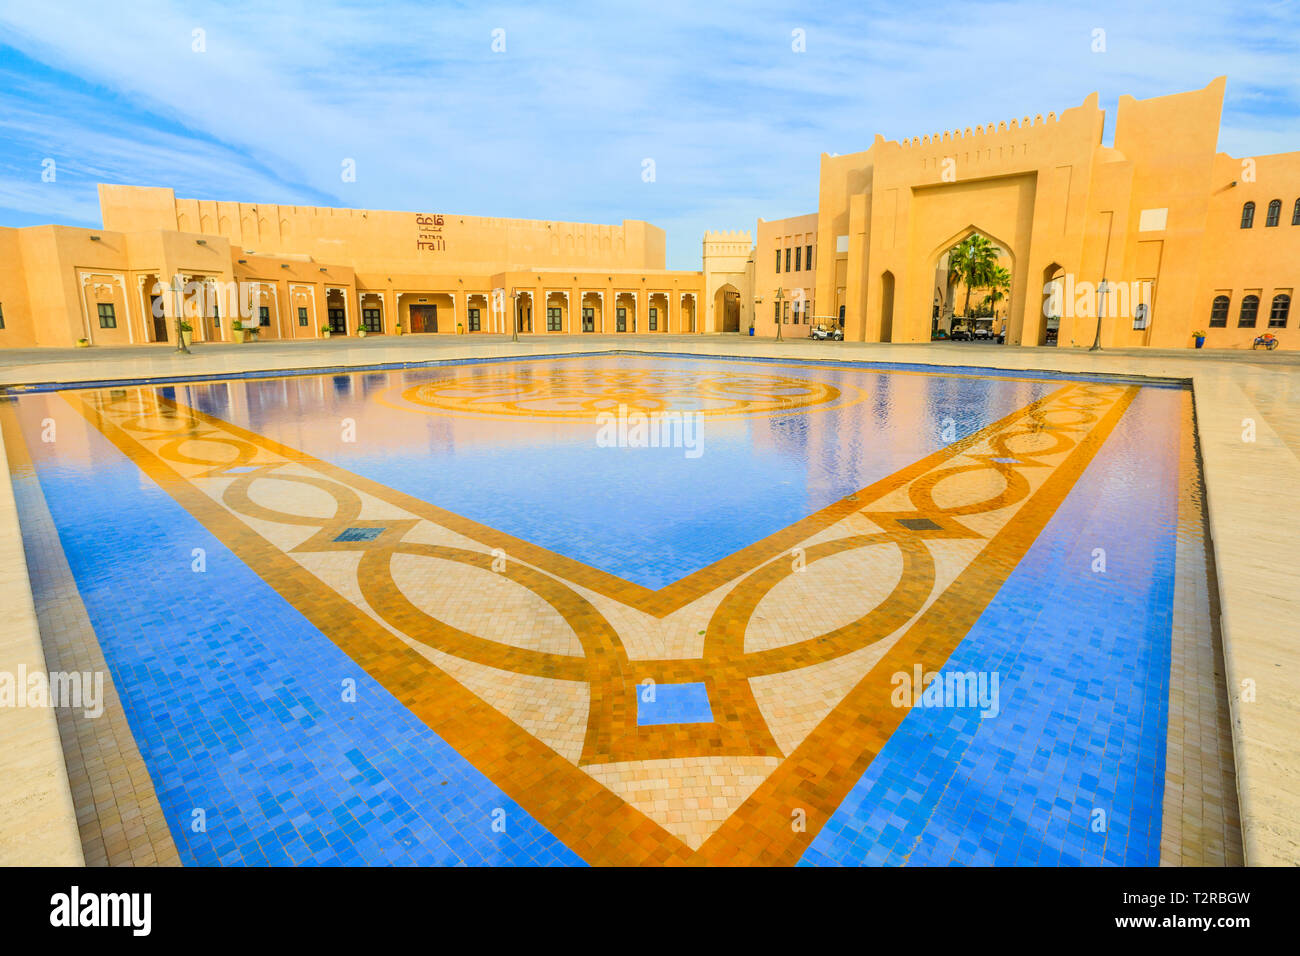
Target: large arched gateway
(973,275)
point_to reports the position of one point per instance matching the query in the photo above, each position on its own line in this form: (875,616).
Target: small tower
(728,261)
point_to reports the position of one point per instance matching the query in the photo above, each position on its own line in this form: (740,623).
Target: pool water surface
(470,614)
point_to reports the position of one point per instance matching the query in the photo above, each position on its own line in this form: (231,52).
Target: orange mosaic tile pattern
(537,688)
(583,393)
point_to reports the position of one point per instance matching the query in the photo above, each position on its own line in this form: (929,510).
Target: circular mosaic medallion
(586,393)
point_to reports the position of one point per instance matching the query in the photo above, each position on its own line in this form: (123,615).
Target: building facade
(785,261)
(1143,243)
(1160,234)
(300,272)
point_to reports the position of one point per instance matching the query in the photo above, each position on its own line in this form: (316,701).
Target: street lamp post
(178,304)
(1101,310)
(1006,317)
(779,298)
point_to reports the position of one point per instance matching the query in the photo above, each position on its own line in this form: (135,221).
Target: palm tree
(973,261)
(955,254)
(999,285)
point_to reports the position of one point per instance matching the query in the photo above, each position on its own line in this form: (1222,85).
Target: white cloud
(558,125)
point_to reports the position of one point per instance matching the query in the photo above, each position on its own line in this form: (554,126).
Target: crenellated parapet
(729,242)
(982,135)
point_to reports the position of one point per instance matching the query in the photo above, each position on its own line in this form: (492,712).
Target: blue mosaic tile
(343,373)
(1083,688)
(575,502)
(673,704)
(235,701)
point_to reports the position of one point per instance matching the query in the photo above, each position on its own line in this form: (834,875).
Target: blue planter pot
(751,330)
(1200,341)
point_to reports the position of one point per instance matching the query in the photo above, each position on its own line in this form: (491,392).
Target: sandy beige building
(1160,233)
(1159,236)
(786,261)
(295,272)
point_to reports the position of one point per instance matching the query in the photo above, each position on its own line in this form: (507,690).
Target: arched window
(1219,312)
(1281,309)
(1295,214)
(1274,213)
(1249,310)
(1248,215)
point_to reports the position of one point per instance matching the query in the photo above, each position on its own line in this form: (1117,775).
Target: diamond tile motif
(359,534)
(918,524)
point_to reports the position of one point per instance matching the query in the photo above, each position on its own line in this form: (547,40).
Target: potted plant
(751,328)
(1200,338)
(361,333)
(83,343)
(397,329)
(187,333)
(237,330)
(325,333)
(460,329)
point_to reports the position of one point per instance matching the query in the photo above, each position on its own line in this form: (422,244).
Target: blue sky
(558,125)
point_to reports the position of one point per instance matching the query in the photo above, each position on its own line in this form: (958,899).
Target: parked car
(826,335)
(960,334)
(983,333)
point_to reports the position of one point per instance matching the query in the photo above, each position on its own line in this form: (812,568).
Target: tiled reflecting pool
(627,609)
